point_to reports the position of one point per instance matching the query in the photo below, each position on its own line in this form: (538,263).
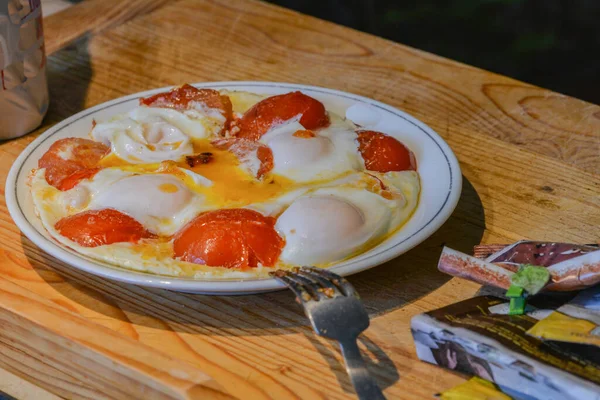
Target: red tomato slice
(276,109)
(383,153)
(100,227)
(72,180)
(231,238)
(71,156)
(244,149)
(181,97)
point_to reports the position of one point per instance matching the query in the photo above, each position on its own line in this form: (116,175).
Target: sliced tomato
(276,109)
(181,98)
(69,157)
(383,153)
(100,227)
(72,180)
(245,149)
(230,238)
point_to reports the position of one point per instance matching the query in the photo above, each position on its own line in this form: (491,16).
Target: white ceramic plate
(438,168)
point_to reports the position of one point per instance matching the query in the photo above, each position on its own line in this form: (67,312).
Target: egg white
(141,196)
(329,224)
(153,134)
(331,153)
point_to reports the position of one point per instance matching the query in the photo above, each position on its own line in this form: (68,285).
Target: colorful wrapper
(571,266)
(472,338)
(578,321)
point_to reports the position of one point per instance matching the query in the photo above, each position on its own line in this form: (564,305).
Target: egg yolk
(276,109)
(182,97)
(99,227)
(383,153)
(304,134)
(70,160)
(230,238)
(232,186)
(244,148)
(168,188)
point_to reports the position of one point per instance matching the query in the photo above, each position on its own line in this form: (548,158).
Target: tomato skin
(276,109)
(181,97)
(230,238)
(70,157)
(72,180)
(383,153)
(99,227)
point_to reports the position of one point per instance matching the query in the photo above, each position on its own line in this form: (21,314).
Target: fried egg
(330,224)
(317,193)
(308,156)
(155,256)
(153,134)
(161,202)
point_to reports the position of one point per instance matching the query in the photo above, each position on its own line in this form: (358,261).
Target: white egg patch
(331,224)
(313,156)
(160,202)
(153,134)
(363,115)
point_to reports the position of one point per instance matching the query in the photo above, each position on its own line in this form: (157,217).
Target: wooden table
(529,159)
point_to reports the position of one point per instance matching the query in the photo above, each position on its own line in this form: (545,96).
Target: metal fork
(335,312)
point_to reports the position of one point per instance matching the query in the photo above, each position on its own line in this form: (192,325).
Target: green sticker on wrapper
(531,278)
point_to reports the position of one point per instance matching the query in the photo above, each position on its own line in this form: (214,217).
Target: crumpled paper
(23,86)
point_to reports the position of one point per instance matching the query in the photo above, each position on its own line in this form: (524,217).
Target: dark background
(550,43)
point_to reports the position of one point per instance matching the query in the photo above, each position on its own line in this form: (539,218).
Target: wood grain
(91,351)
(529,158)
(92,17)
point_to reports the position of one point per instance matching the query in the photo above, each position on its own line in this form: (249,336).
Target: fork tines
(309,283)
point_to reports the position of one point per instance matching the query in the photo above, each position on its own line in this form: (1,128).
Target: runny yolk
(232,186)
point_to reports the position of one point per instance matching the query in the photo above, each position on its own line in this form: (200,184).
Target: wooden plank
(103,362)
(529,158)
(92,17)
(21,389)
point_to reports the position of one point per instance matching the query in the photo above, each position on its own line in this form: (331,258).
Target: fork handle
(365,386)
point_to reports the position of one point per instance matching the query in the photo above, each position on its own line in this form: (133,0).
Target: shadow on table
(69,74)
(383,289)
(380,366)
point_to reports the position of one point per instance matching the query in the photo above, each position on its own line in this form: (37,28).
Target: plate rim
(225,287)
